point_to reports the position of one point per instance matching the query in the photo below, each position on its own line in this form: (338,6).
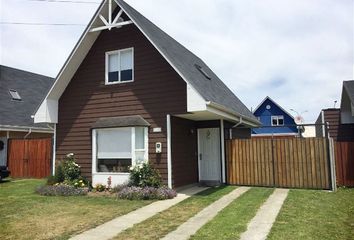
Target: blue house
(275,120)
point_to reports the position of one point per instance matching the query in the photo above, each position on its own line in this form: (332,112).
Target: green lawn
(308,214)
(233,220)
(168,220)
(26,215)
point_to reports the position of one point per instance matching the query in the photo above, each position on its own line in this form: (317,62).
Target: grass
(233,220)
(161,224)
(308,214)
(26,215)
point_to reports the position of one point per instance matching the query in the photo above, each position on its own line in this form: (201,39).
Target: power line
(42,24)
(65,1)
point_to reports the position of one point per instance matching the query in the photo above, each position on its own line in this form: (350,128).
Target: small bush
(100,187)
(61,190)
(59,174)
(144,176)
(71,168)
(51,180)
(146,193)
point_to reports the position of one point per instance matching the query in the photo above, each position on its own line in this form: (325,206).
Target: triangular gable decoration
(108,21)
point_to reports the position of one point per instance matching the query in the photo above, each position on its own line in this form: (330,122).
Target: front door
(209,155)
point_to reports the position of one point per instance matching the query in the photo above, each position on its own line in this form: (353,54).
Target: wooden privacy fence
(291,163)
(29,157)
(344,152)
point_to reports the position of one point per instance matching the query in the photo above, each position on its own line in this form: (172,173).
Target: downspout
(169,153)
(29,132)
(223,164)
(323,124)
(54,128)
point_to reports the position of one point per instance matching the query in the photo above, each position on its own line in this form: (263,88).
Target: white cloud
(297,52)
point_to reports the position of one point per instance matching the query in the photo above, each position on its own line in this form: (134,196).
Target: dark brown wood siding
(184,152)
(336,130)
(157,90)
(332,117)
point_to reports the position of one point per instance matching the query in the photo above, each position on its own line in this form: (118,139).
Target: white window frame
(94,149)
(107,66)
(277,118)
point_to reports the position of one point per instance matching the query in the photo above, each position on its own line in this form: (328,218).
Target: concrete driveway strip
(112,228)
(259,227)
(190,227)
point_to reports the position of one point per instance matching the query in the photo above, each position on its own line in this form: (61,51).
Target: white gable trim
(195,101)
(68,70)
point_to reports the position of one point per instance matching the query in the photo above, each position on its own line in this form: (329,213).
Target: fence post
(273,162)
(332,164)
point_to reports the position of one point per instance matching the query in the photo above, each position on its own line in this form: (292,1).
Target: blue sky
(296,51)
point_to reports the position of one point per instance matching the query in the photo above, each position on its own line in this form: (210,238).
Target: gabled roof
(275,103)
(349,88)
(186,64)
(31,88)
(191,68)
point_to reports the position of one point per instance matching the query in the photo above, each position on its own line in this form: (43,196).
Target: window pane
(113,63)
(280,121)
(126,60)
(139,138)
(114,143)
(274,121)
(113,165)
(139,157)
(126,75)
(113,76)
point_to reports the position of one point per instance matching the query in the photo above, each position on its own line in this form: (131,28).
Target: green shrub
(70,168)
(100,187)
(144,176)
(59,174)
(68,172)
(51,180)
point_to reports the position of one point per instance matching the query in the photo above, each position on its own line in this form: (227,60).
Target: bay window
(119,148)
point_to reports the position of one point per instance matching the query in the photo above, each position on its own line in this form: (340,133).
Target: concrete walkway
(190,227)
(112,228)
(260,225)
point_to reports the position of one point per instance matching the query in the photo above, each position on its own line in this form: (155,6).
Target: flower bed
(61,190)
(146,193)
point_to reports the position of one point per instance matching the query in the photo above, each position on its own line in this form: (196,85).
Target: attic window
(202,71)
(15,95)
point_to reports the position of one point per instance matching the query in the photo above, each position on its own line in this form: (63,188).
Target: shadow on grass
(210,190)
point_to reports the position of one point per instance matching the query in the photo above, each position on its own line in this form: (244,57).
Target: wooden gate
(29,157)
(344,163)
(291,163)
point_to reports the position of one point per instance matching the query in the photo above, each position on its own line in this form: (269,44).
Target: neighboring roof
(349,88)
(188,65)
(31,88)
(275,103)
(126,121)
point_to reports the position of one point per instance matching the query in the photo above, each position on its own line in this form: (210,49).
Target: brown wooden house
(340,121)
(130,93)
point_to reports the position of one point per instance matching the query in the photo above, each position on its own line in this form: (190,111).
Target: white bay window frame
(133,149)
